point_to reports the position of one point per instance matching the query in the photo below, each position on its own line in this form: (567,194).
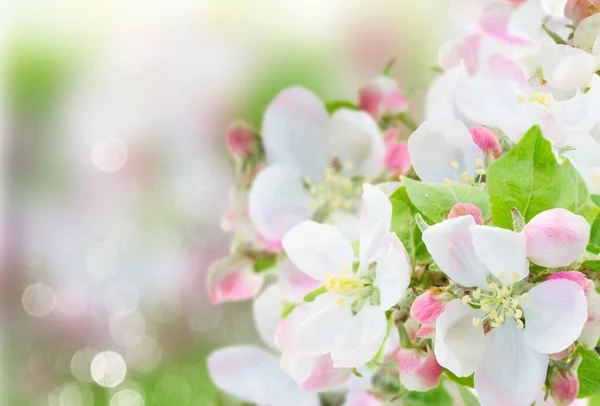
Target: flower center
(498,304)
(545,99)
(352,288)
(335,192)
(464,175)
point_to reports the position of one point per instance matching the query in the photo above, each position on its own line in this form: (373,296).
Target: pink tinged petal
(574,276)
(392,341)
(465,51)
(395,102)
(486,141)
(278,201)
(564,387)
(240,139)
(318,249)
(375,221)
(313,328)
(294,131)
(397,158)
(556,237)
(510,372)
(567,68)
(502,252)
(359,338)
(425,332)
(382,96)
(579,10)
(494,22)
(450,243)
(232,279)
(418,371)
(436,144)
(315,374)
(466,209)
(554,315)
(591,330)
(254,376)
(355,138)
(355,398)
(427,307)
(266,310)
(294,283)
(458,344)
(393,271)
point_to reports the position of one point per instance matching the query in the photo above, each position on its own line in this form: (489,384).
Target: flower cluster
(459,267)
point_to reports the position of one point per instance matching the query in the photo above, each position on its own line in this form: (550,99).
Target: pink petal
(466,209)
(486,141)
(315,374)
(573,276)
(240,139)
(233,279)
(494,22)
(426,331)
(361,399)
(418,371)
(564,387)
(428,306)
(397,158)
(556,237)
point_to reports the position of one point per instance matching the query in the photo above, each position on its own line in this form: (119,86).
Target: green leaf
(434,200)
(591,265)
(311,296)
(595,232)
(405,226)
(467,396)
(466,381)
(335,105)
(264,263)
(530,179)
(595,199)
(588,373)
(438,396)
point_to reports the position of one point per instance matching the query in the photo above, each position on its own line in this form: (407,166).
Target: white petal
(502,251)
(438,142)
(450,243)
(315,374)
(458,343)
(554,315)
(278,201)
(361,399)
(317,249)
(511,372)
(360,338)
(294,283)
(579,114)
(355,138)
(232,279)
(567,68)
(526,21)
(313,328)
(587,33)
(393,271)
(266,310)
(556,8)
(375,221)
(294,131)
(439,103)
(529,115)
(254,376)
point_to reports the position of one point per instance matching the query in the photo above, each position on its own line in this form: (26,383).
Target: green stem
(404,339)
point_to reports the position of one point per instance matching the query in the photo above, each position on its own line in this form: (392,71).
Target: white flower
(510,361)
(348,321)
(301,142)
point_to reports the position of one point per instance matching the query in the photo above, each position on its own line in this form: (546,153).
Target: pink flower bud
(574,276)
(564,353)
(466,209)
(564,387)
(397,158)
(577,10)
(556,237)
(427,307)
(382,96)
(240,139)
(486,141)
(419,371)
(232,279)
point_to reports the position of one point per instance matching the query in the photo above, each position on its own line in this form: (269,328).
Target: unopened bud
(382,96)
(428,306)
(466,209)
(419,370)
(240,139)
(564,386)
(577,10)
(397,158)
(486,141)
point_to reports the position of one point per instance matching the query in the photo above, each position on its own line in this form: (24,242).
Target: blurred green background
(116,175)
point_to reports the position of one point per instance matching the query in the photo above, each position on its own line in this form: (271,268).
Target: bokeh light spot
(109,154)
(108,369)
(127,397)
(38,299)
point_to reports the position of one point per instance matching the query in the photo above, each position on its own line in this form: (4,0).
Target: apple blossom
(426,308)
(525,325)
(232,279)
(302,143)
(419,370)
(578,10)
(348,321)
